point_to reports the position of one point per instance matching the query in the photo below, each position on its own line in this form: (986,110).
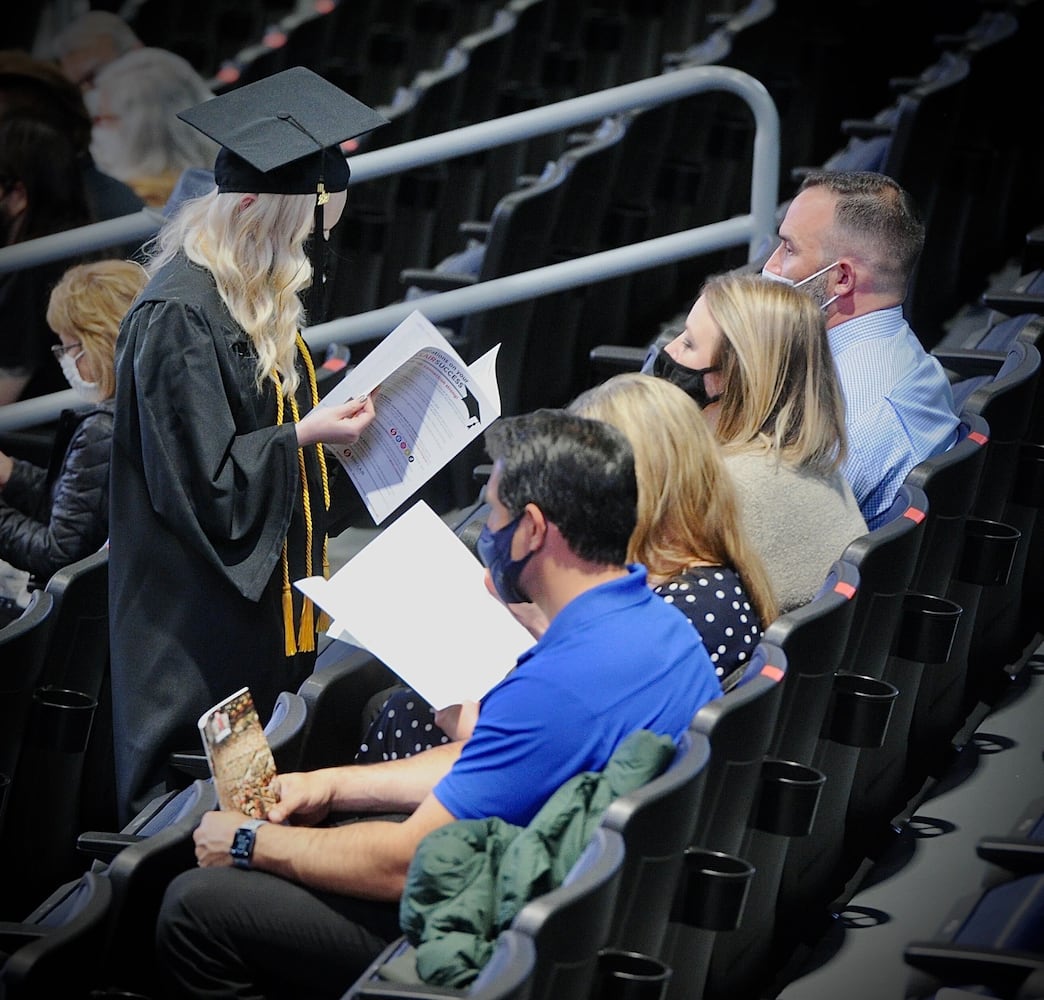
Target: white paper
(428,407)
(415,597)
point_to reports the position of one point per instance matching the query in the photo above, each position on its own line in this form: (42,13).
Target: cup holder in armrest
(714,891)
(787,798)
(61,720)
(630,975)
(859,710)
(927,628)
(988,553)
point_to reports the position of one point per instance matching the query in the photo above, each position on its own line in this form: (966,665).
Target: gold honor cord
(306,632)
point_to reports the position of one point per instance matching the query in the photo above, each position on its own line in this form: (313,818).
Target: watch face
(242,846)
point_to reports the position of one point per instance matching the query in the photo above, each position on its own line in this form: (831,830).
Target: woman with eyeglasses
(52,517)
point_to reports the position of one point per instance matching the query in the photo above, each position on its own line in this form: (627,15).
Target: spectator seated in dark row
(322,901)
(52,517)
(754,355)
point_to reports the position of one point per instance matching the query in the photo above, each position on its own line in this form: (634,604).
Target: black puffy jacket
(50,518)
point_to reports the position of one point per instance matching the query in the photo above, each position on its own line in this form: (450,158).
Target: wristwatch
(242,849)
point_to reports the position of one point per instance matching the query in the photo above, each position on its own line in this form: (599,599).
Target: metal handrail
(757,228)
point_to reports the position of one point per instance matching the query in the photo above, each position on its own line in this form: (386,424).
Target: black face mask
(689,379)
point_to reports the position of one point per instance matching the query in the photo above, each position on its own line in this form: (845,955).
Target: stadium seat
(568,926)
(739,725)
(859,715)
(813,638)
(23,644)
(657,822)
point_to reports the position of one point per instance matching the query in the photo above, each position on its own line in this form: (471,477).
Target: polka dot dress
(404,725)
(714,600)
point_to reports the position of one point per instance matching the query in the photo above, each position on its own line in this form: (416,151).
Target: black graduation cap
(282,134)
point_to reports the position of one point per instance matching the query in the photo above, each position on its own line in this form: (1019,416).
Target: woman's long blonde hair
(688,512)
(780,387)
(256,253)
(88,304)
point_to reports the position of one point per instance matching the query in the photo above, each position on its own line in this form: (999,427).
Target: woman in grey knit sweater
(754,354)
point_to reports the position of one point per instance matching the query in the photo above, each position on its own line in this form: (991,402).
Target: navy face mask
(494,549)
(689,379)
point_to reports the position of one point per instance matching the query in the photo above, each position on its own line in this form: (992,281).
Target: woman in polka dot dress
(689,536)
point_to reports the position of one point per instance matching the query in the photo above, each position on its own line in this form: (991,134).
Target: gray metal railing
(756,229)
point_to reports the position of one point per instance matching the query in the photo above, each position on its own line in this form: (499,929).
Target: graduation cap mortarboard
(282,134)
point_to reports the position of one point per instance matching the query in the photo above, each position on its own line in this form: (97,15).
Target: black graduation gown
(205,489)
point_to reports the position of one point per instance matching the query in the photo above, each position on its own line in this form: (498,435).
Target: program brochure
(239,755)
(429,405)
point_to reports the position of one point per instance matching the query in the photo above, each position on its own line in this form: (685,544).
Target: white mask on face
(88,391)
(107,151)
(772,276)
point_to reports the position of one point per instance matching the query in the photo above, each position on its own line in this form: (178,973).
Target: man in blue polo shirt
(851,240)
(321,901)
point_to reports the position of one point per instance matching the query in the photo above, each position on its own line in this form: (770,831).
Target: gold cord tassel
(309,625)
(289,644)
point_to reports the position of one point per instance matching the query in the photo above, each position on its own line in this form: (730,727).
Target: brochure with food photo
(240,758)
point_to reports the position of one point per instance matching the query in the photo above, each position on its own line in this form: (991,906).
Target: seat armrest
(476,230)
(1013,303)
(192,764)
(864,128)
(1019,855)
(611,359)
(106,846)
(435,281)
(970,363)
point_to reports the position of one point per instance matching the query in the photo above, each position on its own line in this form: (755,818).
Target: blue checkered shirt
(899,407)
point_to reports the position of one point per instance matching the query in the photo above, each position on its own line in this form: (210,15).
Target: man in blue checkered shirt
(851,240)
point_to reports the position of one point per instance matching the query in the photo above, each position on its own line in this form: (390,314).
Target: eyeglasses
(59,349)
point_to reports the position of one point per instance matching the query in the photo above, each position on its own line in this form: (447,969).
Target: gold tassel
(289,646)
(306,637)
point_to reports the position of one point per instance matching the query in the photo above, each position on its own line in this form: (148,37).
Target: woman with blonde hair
(754,355)
(689,534)
(54,516)
(221,494)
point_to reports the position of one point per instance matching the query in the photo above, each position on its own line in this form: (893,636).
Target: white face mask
(88,391)
(772,276)
(107,151)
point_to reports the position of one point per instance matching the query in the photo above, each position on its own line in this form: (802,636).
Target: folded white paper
(415,597)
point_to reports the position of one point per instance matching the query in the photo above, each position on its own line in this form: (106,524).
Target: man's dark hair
(876,209)
(579,472)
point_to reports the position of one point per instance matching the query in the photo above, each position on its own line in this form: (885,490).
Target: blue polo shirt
(899,408)
(615,659)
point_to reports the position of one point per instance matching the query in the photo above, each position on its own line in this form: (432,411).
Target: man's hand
(339,425)
(458,721)
(304,798)
(213,838)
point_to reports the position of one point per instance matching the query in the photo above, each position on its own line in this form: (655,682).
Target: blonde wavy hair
(688,512)
(256,254)
(88,304)
(781,390)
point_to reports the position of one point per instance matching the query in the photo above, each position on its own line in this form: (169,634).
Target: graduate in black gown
(220,490)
